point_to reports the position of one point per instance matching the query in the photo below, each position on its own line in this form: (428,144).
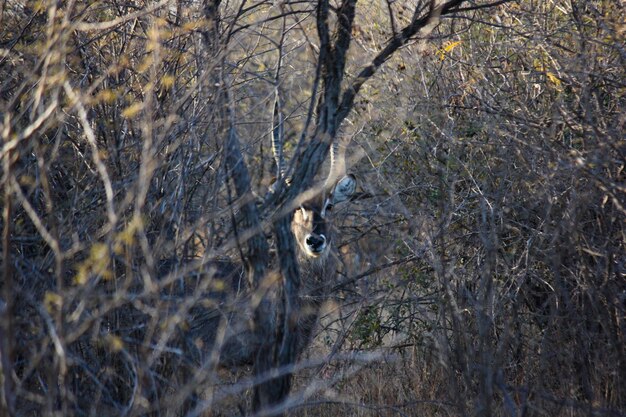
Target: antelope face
(310,229)
(311,223)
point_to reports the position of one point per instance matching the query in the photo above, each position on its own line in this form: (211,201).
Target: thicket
(483,264)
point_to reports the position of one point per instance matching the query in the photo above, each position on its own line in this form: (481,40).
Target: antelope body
(224,332)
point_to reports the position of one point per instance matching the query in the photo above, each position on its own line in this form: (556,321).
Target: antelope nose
(316,242)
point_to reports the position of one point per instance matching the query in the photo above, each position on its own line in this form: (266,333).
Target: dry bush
(482,267)
(506,158)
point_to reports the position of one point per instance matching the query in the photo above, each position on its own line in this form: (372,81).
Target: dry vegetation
(483,264)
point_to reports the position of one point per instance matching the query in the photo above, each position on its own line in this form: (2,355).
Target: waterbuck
(226,333)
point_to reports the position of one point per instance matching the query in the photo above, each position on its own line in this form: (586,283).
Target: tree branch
(421,27)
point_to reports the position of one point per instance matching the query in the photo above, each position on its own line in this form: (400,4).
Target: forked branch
(420,27)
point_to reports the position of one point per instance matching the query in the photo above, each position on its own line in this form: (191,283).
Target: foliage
(482,264)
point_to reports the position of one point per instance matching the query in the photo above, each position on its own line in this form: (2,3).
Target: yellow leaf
(167,81)
(52,301)
(218,285)
(39,6)
(553,79)
(451,45)
(132,110)
(145,64)
(115,343)
(194,25)
(448,47)
(27,180)
(106,274)
(99,251)
(126,236)
(82,275)
(190,26)
(106,96)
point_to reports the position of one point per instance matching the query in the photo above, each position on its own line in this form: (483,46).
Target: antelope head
(312,221)
(311,224)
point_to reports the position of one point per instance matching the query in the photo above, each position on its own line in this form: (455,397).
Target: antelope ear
(303,213)
(344,189)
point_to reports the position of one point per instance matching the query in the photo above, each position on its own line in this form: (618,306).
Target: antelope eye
(329,206)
